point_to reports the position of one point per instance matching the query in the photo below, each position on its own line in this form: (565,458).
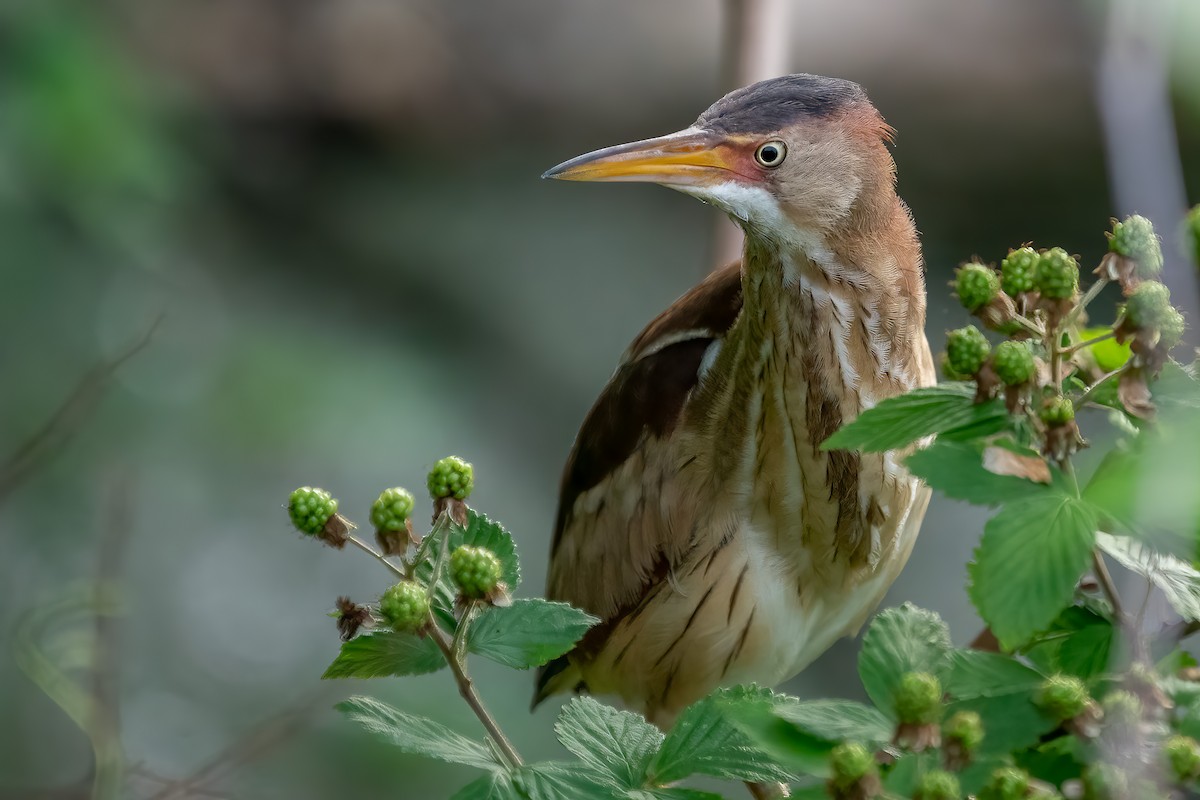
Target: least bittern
(699,518)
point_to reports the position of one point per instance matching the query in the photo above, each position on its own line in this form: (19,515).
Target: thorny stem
(466,688)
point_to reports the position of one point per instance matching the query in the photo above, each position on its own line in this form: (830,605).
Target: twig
(1083,303)
(55,433)
(1088,343)
(373,553)
(1107,584)
(1083,398)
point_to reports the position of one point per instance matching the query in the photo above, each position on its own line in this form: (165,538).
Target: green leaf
(956,470)
(705,741)
(673,793)
(527,633)
(1028,563)
(417,735)
(900,421)
(619,743)
(1000,689)
(561,780)
(1079,643)
(900,640)
(499,785)
(480,531)
(1178,580)
(385,654)
(837,720)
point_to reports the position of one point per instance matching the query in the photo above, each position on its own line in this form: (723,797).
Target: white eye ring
(771,154)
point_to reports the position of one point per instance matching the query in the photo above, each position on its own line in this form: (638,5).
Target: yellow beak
(691,157)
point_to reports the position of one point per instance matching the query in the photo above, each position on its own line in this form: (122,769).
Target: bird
(699,518)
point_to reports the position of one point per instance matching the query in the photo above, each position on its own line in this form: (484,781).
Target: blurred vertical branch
(754,47)
(1144,169)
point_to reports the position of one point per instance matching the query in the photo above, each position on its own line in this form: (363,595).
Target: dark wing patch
(648,391)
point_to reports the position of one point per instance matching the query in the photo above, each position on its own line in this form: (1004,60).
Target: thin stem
(382,559)
(1029,325)
(1088,297)
(1107,584)
(466,688)
(1083,398)
(1088,343)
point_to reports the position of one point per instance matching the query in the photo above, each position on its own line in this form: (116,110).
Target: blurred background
(334,206)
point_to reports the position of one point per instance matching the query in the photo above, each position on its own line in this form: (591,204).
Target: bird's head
(786,157)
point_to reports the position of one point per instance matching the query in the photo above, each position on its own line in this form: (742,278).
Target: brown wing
(603,559)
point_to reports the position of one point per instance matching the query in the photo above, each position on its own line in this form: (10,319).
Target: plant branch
(1091,390)
(1088,343)
(1087,298)
(380,557)
(1108,585)
(466,688)
(1029,325)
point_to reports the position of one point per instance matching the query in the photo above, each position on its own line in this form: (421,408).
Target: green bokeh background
(336,205)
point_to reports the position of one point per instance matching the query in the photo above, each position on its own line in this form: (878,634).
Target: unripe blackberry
(451,477)
(391,510)
(965,728)
(405,606)
(918,699)
(1057,411)
(849,763)
(310,509)
(1013,363)
(1183,755)
(966,350)
(976,285)
(937,785)
(1017,271)
(1147,305)
(1006,783)
(1134,238)
(1122,709)
(1171,328)
(948,372)
(1062,697)
(1057,274)
(475,571)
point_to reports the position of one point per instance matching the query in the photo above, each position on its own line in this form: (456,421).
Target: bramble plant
(1071,692)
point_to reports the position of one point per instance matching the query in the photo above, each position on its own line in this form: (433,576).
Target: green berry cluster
(451,477)
(1149,305)
(1057,274)
(1134,238)
(1183,756)
(1017,271)
(976,285)
(966,350)
(1013,363)
(918,699)
(405,606)
(938,784)
(475,571)
(964,730)
(1057,411)
(391,510)
(1006,783)
(849,763)
(1063,697)
(310,509)
(1122,709)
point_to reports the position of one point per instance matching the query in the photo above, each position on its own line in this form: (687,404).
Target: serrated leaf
(703,740)
(1079,643)
(956,470)
(1028,562)
(562,780)
(899,421)
(673,793)
(900,640)
(385,654)
(480,531)
(619,743)
(837,720)
(417,735)
(1000,689)
(499,785)
(527,633)
(1178,580)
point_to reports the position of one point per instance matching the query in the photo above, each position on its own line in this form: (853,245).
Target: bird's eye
(770,154)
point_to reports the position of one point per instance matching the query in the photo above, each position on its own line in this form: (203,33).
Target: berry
(849,763)
(391,509)
(964,728)
(1057,274)
(1063,697)
(1017,271)
(1171,328)
(1057,411)
(966,350)
(937,785)
(918,699)
(1122,709)
(1183,754)
(976,285)
(405,606)
(1147,305)
(451,477)
(475,571)
(1006,783)
(310,509)
(948,371)
(1013,363)
(1135,238)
